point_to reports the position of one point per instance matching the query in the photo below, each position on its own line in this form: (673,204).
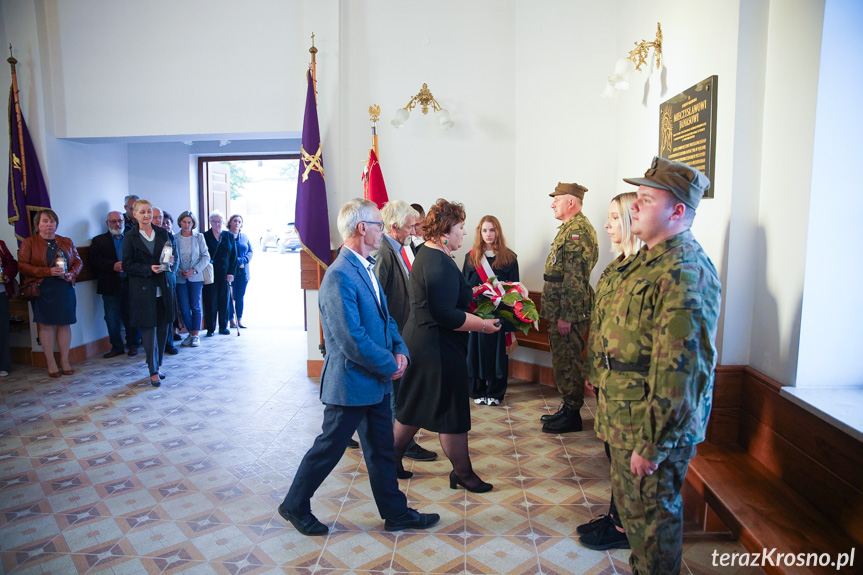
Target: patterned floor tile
(102,474)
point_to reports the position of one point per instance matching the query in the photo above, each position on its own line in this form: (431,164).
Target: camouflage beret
(685,182)
(571,189)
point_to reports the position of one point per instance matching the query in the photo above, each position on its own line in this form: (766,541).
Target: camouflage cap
(685,182)
(571,189)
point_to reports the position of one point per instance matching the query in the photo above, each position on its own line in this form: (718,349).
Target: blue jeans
(117,318)
(114,320)
(189,294)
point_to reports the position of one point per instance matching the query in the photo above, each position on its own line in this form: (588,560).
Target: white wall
(791,84)
(564,131)
(160,173)
(740,259)
(832,310)
(167,67)
(464,52)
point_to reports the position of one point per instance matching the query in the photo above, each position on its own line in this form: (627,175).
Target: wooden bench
(776,476)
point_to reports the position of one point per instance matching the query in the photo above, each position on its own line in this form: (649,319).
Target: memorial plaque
(687,128)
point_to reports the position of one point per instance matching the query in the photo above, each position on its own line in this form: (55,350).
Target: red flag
(375,189)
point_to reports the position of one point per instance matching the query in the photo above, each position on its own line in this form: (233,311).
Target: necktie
(372,277)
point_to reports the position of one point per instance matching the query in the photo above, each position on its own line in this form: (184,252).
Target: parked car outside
(285,240)
(290,239)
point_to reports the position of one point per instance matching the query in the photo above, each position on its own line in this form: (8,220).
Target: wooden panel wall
(820,462)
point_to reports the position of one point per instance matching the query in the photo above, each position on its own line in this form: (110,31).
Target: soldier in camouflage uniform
(567,299)
(653,363)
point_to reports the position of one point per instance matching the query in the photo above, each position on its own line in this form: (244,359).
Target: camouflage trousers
(567,360)
(651,510)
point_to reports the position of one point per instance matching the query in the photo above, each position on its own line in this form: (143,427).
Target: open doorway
(263,190)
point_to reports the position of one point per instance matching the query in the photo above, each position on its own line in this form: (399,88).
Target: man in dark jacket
(392,268)
(113,286)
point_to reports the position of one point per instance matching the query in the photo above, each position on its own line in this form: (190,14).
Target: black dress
(487,362)
(434,389)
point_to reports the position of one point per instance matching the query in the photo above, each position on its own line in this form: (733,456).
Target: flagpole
(374,114)
(314,67)
(19,119)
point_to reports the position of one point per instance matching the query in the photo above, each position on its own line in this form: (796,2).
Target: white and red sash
(407,257)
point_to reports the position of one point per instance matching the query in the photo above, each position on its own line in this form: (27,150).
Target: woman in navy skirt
(51,261)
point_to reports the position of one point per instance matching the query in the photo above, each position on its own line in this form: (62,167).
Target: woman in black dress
(51,261)
(434,392)
(151,288)
(487,363)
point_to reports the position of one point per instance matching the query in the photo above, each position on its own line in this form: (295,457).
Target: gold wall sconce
(623,68)
(425,100)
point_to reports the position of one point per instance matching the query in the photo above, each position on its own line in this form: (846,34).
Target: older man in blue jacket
(364,353)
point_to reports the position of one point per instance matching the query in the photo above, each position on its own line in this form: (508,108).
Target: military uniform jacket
(567,293)
(657,309)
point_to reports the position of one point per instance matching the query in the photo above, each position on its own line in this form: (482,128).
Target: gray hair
(216,213)
(352,213)
(130,197)
(396,213)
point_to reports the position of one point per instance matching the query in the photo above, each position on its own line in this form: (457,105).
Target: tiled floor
(101,473)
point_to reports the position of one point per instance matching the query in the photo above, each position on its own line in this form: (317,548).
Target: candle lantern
(60,261)
(167,256)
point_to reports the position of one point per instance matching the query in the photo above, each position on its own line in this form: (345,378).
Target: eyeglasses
(379,224)
(115,221)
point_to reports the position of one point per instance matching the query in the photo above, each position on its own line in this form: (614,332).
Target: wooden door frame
(202,216)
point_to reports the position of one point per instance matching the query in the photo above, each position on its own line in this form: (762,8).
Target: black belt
(553,279)
(612,364)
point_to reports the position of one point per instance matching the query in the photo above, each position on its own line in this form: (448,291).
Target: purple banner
(24,199)
(312,219)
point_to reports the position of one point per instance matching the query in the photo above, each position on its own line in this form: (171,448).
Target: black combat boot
(568,421)
(555,415)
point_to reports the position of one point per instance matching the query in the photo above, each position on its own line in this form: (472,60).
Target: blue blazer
(360,336)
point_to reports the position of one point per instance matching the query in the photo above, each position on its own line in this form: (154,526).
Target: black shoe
(550,416)
(224,331)
(155,383)
(593,525)
(606,537)
(306,524)
(210,333)
(454,482)
(171,350)
(567,423)
(133,351)
(412,519)
(162,375)
(113,353)
(401,473)
(177,337)
(353,444)
(418,453)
